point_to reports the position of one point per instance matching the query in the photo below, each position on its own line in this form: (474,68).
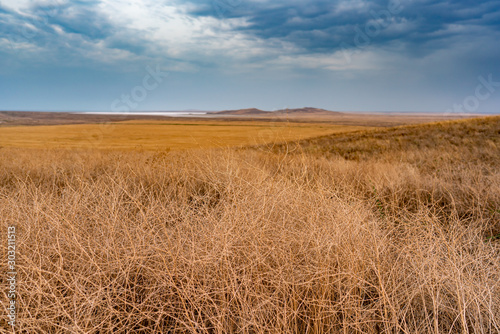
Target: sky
(158,55)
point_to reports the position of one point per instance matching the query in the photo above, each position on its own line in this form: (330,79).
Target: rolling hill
(306,111)
(245,112)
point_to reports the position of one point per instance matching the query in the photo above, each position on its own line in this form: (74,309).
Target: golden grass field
(393,230)
(154,135)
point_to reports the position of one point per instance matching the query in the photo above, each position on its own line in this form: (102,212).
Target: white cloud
(17,5)
(167,29)
(363,60)
(352,6)
(21,6)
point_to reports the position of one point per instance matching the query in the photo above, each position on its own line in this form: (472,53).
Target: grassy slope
(469,134)
(393,239)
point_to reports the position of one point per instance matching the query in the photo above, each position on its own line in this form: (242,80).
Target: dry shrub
(252,242)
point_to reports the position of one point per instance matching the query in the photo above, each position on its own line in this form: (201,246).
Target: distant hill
(306,110)
(258,112)
(250,111)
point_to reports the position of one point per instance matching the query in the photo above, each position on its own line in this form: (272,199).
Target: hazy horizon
(197,111)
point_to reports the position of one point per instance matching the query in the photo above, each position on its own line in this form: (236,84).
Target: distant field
(22,118)
(164,134)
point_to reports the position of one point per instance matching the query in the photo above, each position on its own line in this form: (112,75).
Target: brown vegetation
(462,136)
(392,231)
(16,118)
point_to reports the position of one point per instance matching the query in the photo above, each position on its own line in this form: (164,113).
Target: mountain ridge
(295,111)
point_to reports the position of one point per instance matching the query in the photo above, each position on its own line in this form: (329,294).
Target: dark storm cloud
(323,26)
(414,27)
(39,25)
(78,18)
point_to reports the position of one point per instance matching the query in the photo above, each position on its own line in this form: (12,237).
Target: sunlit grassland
(163,134)
(385,231)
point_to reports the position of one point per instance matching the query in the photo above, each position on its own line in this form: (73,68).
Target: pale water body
(158,113)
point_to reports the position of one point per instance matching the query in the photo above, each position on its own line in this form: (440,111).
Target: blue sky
(357,55)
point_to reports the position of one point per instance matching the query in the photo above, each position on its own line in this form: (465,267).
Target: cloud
(55,31)
(207,30)
(245,35)
(120,31)
(322,26)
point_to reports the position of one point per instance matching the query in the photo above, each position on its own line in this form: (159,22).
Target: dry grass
(251,241)
(453,136)
(154,135)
